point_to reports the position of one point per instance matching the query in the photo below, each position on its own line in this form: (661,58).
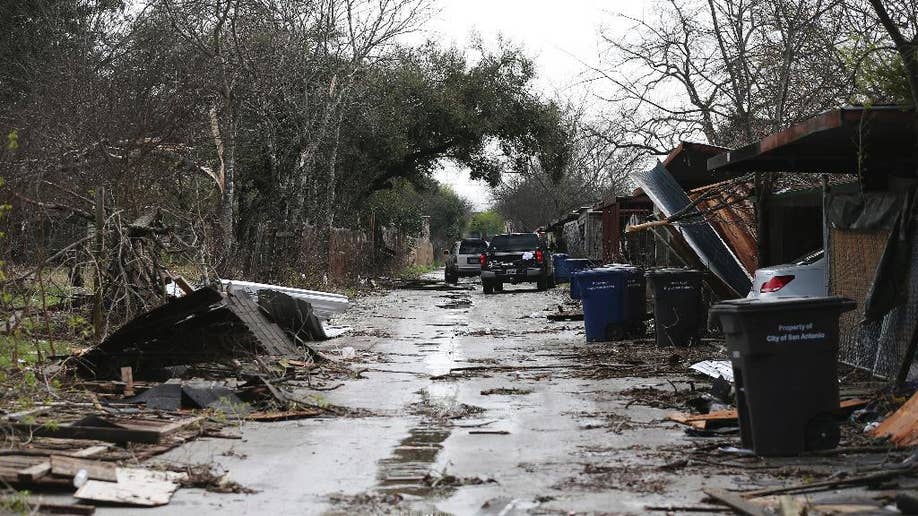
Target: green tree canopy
(487,223)
(430,104)
(403,205)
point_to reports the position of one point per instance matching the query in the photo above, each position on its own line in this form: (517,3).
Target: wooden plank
(736,502)
(112,435)
(160,427)
(701,420)
(285,415)
(183,284)
(33,473)
(96,470)
(91,451)
(42,507)
(127,376)
(35,411)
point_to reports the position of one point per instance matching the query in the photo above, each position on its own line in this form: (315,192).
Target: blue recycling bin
(613,302)
(562,273)
(574,265)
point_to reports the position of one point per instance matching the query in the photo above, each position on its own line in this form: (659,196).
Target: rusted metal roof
(688,163)
(846,140)
(732,214)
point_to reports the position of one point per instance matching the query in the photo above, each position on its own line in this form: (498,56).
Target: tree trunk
(229,190)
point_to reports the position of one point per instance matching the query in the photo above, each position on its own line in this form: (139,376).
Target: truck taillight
(539,256)
(775,284)
(483,259)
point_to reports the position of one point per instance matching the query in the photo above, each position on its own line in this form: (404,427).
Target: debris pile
(183,370)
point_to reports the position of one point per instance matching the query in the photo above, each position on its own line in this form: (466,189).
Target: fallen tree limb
(736,502)
(832,484)
(646,225)
(686,508)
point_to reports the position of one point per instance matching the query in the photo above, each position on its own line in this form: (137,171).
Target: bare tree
(598,169)
(728,71)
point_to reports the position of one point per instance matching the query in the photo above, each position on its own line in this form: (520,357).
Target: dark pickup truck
(516,258)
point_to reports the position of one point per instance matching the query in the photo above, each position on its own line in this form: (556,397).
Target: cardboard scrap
(715,369)
(140,487)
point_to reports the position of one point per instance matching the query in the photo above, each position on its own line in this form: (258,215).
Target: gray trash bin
(785,365)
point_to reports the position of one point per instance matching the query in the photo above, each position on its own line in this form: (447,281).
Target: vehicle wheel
(487,286)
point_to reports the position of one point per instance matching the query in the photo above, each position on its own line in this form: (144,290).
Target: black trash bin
(784,353)
(679,313)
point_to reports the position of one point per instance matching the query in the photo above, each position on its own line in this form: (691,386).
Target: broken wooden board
(565,316)
(204,326)
(37,505)
(902,426)
(701,421)
(115,430)
(34,472)
(139,487)
(27,470)
(95,469)
(160,426)
(108,434)
(284,415)
(736,502)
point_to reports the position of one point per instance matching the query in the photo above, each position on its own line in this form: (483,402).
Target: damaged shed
(868,225)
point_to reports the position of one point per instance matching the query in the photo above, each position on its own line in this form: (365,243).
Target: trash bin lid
(672,270)
(602,271)
(774,304)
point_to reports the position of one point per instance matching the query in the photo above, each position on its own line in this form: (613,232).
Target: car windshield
(811,257)
(526,242)
(471,246)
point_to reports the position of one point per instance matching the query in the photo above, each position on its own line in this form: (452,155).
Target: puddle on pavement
(409,470)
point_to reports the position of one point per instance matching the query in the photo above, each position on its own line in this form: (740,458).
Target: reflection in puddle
(406,471)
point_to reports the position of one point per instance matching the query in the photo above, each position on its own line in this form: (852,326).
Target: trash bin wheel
(615,333)
(487,286)
(822,433)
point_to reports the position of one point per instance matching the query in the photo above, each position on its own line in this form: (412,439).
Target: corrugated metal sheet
(670,198)
(734,219)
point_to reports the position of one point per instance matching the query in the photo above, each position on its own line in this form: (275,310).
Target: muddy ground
(478,404)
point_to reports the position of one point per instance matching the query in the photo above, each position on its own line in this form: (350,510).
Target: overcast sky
(559,35)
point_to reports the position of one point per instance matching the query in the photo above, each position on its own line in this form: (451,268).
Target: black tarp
(880,211)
